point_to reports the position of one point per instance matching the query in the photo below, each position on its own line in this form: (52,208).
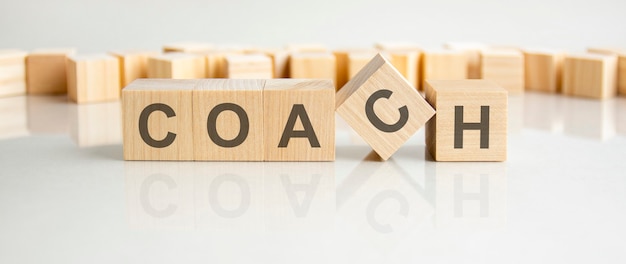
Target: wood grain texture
(543,71)
(377,77)
(319,65)
(621,65)
(177,65)
(301,101)
(133,64)
(442,65)
(472,52)
(93,78)
(45,71)
(12,72)
(472,95)
(504,67)
(253,66)
(590,75)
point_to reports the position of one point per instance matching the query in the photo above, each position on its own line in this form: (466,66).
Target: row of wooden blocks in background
(293,119)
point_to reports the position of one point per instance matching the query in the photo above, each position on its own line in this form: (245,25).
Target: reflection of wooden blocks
(621,65)
(93,78)
(506,68)
(188,47)
(471,120)
(14,117)
(472,53)
(442,65)
(380,105)
(96,124)
(177,66)
(313,66)
(157,119)
(228,120)
(590,75)
(45,71)
(133,64)
(254,66)
(407,63)
(543,71)
(299,123)
(12,72)
(358,60)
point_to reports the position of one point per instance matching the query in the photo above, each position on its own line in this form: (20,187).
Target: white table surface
(66,195)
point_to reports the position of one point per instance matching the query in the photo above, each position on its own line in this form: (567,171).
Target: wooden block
(12,72)
(543,71)
(280,62)
(471,120)
(157,119)
(188,47)
(45,71)
(93,78)
(590,75)
(506,68)
(177,66)
(342,63)
(228,120)
(407,63)
(133,64)
(215,62)
(382,107)
(472,52)
(621,65)
(254,66)
(442,65)
(358,60)
(299,120)
(306,48)
(313,66)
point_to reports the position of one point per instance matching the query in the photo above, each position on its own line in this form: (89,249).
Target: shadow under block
(12,72)
(228,120)
(255,66)
(543,71)
(590,75)
(442,65)
(93,78)
(382,107)
(621,65)
(177,66)
(471,120)
(133,64)
(506,68)
(157,119)
(45,71)
(313,66)
(299,120)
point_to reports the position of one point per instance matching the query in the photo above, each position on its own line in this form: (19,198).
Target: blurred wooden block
(157,119)
(543,71)
(472,52)
(93,78)
(12,72)
(471,120)
(188,47)
(215,62)
(228,120)
(313,66)
(254,66)
(299,120)
(342,63)
(590,75)
(504,67)
(133,64)
(280,62)
(397,46)
(357,61)
(382,107)
(306,48)
(177,66)
(45,71)
(621,65)
(407,63)
(442,65)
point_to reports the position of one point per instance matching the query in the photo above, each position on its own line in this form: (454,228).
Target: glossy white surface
(66,195)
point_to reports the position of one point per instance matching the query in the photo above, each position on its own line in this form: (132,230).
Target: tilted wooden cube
(133,64)
(590,75)
(254,66)
(228,120)
(93,78)
(621,65)
(442,65)
(504,67)
(45,71)
(382,107)
(317,65)
(471,120)
(299,120)
(157,119)
(177,66)
(12,72)
(543,71)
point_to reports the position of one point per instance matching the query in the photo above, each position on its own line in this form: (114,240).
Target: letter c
(143,125)
(376,121)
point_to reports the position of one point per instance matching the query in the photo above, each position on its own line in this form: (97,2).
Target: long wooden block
(93,78)
(188,47)
(472,52)
(133,64)
(12,72)
(313,66)
(157,119)
(177,66)
(504,67)
(543,70)
(590,75)
(442,65)
(471,120)
(299,120)
(621,65)
(45,71)
(382,107)
(253,66)
(228,120)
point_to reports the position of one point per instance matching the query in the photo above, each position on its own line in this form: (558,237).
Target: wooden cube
(472,53)
(280,62)
(215,62)
(380,105)
(358,60)
(504,67)
(45,71)
(471,120)
(254,66)
(157,119)
(543,71)
(590,75)
(442,65)
(188,47)
(313,66)
(12,72)
(342,63)
(621,65)
(407,63)
(177,66)
(93,78)
(133,64)
(228,120)
(299,120)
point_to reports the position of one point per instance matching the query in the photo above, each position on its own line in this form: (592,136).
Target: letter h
(459,127)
